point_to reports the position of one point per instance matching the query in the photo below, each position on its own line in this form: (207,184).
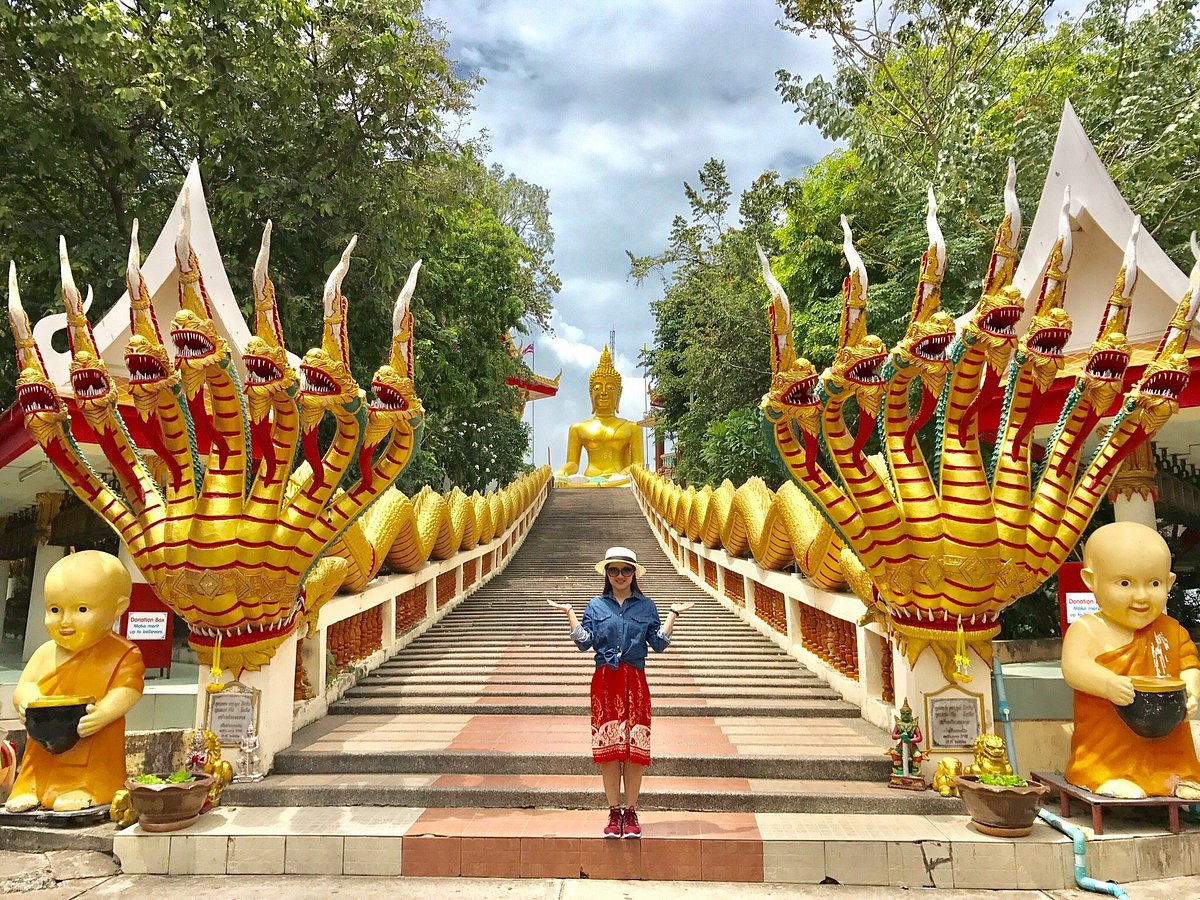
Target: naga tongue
(159,446)
(1027,426)
(928,405)
(810,454)
(206,434)
(866,424)
(1085,429)
(976,405)
(262,447)
(121,465)
(312,453)
(365,454)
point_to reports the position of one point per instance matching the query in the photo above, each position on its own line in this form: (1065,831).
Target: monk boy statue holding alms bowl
(1135,673)
(76,689)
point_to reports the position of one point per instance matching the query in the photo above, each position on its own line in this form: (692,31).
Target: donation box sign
(1075,599)
(149,624)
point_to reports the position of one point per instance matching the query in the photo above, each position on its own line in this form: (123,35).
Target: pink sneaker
(631,827)
(613,828)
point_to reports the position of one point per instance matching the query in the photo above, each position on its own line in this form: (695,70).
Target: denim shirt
(620,632)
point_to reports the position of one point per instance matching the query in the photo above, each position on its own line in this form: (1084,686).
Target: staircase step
(341,762)
(583,791)
(541,705)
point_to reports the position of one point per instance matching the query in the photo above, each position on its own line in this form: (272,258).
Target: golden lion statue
(991,757)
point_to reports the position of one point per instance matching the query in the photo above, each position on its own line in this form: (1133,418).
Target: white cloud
(611,106)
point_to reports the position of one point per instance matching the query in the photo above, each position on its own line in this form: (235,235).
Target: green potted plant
(1001,805)
(168,802)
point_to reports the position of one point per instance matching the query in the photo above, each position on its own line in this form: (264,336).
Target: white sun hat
(620,555)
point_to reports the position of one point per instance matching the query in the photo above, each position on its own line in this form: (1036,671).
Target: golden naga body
(227,541)
(937,548)
(947,546)
(613,444)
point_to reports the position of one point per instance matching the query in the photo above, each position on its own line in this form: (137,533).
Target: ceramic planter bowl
(1159,705)
(1000,811)
(53,722)
(168,807)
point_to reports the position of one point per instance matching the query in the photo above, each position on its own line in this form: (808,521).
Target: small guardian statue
(906,754)
(248,764)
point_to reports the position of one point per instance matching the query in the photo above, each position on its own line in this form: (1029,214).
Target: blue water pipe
(1077,837)
(1080,841)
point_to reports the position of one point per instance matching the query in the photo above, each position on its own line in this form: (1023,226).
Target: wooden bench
(1098,802)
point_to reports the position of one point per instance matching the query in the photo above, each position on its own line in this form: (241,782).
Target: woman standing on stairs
(620,624)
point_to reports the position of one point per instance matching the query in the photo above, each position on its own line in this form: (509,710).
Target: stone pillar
(35,625)
(276,685)
(1135,488)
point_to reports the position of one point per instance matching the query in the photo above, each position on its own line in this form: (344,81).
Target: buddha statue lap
(1109,654)
(613,444)
(85,593)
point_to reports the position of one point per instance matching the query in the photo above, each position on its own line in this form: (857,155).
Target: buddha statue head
(604,386)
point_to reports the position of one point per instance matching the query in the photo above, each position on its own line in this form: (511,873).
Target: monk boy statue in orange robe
(1128,567)
(85,593)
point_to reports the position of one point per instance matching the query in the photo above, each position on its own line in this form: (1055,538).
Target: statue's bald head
(1121,539)
(1128,568)
(99,577)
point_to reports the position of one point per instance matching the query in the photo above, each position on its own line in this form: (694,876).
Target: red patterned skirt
(620,715)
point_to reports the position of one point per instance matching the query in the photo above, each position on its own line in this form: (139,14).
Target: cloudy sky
(611,106)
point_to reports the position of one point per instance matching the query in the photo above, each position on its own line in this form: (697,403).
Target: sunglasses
(623,571)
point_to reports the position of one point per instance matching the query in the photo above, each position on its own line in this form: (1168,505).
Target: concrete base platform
(882,850)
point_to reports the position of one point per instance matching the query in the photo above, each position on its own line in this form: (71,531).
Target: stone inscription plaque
(231,712)
(954,722)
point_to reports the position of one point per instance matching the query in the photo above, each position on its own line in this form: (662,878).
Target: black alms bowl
(1159,705)
(53,722)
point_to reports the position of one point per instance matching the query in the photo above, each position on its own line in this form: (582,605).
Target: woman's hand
(680,608)
(561,607)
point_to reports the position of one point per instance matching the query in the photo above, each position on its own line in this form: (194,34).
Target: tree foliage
(327,117)
(711,320)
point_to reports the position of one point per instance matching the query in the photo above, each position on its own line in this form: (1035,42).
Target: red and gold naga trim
(226,544)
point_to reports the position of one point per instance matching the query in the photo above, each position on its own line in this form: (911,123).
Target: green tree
(711,357)
(327,117)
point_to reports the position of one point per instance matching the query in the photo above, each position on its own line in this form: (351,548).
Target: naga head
(198,345)
(1156,397)
(394,398)
(993,324)
(150,369)
(95,394)
(270,377)
(794,381)
(930,329)
(1109,354)
(1041,347)
(860,357)
(44,412)
(325,380)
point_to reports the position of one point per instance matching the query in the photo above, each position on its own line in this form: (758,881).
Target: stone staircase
(468,755)
(489,709)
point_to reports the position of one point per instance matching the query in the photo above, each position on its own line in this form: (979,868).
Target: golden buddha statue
(84,661)
(613,444)
(1122,662)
